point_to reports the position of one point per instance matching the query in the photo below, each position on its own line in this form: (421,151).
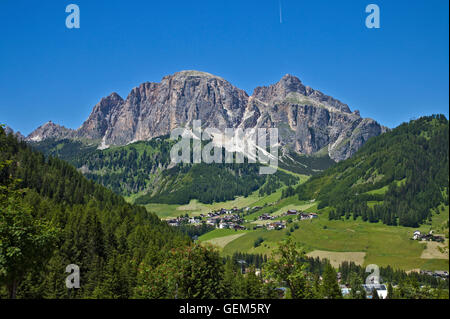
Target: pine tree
(26,242)
(252,285)
(375,294)
(390,292)
(357,291)
(286,267)
(331,215)
(330,288)
(229,282)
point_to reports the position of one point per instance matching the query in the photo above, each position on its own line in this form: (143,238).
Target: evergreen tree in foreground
(26,242)
(330,287)
(286,267)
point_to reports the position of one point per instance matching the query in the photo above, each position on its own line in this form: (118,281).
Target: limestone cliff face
(100,120)
(308,120)
(155,109)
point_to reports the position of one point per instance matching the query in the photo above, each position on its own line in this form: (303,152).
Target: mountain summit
(308,120)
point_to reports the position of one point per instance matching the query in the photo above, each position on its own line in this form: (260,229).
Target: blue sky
(391,74)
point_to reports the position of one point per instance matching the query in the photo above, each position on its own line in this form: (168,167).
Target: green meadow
(195,208)
(384,245)
(380,244)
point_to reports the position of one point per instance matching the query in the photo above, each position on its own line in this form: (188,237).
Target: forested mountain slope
(399,177)
(84,224)
(51,217)
(144,170)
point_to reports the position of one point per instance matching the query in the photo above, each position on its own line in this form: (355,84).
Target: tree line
(51,216)
(397,178)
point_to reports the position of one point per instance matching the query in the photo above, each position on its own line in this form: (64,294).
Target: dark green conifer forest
(52,216)
(398,178)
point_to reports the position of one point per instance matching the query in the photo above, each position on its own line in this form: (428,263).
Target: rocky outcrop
(96,126)
(17,134)
(154,109)
(290,88)
(50,130)
(308,120)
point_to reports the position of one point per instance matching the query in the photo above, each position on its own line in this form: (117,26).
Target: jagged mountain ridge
(308,120)
(17,134)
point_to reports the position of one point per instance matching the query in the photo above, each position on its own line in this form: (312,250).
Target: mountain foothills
(51,217)
(398,178)
(308,120)
(144,170)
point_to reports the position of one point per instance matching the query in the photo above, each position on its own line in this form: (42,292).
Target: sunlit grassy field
(195,208)
(369,243)
(383,245)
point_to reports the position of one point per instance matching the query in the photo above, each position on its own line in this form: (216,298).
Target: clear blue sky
(392,74)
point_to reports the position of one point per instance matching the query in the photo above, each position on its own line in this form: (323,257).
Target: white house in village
(417,235)
(381,290)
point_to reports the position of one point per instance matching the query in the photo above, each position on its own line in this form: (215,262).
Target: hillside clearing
(432,250)
(383,245)
(223,241)
(337,258)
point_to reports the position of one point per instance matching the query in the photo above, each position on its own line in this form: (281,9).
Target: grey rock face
(291,88)
(50,130)
(17,134)
(99,121)
(154,109)
(308,120)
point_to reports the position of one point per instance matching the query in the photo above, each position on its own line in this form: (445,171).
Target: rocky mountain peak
(49,130)
(107,103)
(192,74)
(308,120)
(291,83)
(279,91)
(17,134)
(97,123)
(292,89)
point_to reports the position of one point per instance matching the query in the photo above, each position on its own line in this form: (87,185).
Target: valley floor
(337,240)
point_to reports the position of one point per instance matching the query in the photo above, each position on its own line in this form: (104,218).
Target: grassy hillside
(398,178)
(403,173)
(143,173)
(339,240)
(379,244)
(195,208)
(94,229)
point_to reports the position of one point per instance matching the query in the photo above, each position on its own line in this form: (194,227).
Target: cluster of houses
(266,217)
(276,226)
(222,219)
(302,215)
(291,212)
(228,222)
(380,288)
(231,219)
(184,220)
(436,274)
(272,226)
(427,237)
(221,212)
(225,219)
